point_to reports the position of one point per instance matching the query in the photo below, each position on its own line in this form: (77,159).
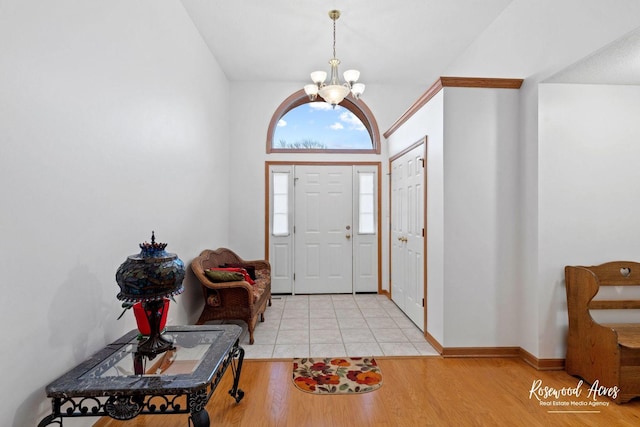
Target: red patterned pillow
(242,271)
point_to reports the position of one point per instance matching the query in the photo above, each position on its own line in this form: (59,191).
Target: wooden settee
(607,353)
(235,300)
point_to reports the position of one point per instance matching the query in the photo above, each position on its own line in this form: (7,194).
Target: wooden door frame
(267,206)
(421,141)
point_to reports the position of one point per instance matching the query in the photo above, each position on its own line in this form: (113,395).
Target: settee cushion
(258,291)
(263,276)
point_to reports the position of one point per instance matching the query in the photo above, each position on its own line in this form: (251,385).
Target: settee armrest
(227,285)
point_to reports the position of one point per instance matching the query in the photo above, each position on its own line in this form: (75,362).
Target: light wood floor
(426,391)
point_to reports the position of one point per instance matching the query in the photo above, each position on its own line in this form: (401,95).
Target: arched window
(300,125)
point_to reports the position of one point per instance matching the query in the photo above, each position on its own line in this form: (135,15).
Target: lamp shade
(311,89)
(318,77)
(351,76)
(357,89)
(333,94)
(151,275)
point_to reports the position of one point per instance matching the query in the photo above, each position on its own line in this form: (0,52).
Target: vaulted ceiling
(401,41)
(617,63)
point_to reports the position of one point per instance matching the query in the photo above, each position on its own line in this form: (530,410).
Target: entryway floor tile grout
(334,326)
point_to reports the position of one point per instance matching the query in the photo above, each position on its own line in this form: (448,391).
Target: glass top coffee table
(118,382)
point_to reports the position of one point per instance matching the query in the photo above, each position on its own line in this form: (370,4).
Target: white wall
(480,217)
(113,123)
(589,197)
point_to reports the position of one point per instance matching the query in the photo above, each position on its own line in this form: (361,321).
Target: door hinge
(421,160)
(294,277)
(422,302)
(423,232)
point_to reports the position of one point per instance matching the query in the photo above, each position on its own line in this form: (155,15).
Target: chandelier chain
(334,38)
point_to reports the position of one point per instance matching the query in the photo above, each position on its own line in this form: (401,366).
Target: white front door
(323,229)
(408,233)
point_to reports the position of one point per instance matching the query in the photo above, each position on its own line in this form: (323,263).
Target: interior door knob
(348,236)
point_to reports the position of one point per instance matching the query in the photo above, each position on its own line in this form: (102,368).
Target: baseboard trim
(519,352)
(541,364)
(434,342)
(481,352)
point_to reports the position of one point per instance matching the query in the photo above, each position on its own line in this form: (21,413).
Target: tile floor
(335,325)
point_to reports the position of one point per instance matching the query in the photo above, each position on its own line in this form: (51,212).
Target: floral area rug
(337,375)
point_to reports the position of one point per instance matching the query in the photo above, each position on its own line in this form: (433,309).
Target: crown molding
(475,82)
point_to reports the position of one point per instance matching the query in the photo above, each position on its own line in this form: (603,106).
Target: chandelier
(334,92)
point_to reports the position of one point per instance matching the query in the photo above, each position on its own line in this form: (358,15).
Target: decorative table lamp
(149,277)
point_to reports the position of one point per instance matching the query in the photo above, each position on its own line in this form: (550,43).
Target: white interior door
(408,234)
(398,228)
(323,229)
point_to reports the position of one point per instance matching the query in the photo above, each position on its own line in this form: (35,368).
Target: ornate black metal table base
(125,404)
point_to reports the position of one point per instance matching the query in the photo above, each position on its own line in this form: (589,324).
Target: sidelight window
(366,205)
(280,226)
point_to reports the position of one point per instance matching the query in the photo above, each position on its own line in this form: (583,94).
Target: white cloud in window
(320,106)
(353,121)
(282,123)
(336,126)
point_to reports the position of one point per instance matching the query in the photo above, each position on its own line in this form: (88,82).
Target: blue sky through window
(323,126)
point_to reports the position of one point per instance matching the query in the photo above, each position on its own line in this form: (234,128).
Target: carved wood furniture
(233,300)
(181,381)
(608,353)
